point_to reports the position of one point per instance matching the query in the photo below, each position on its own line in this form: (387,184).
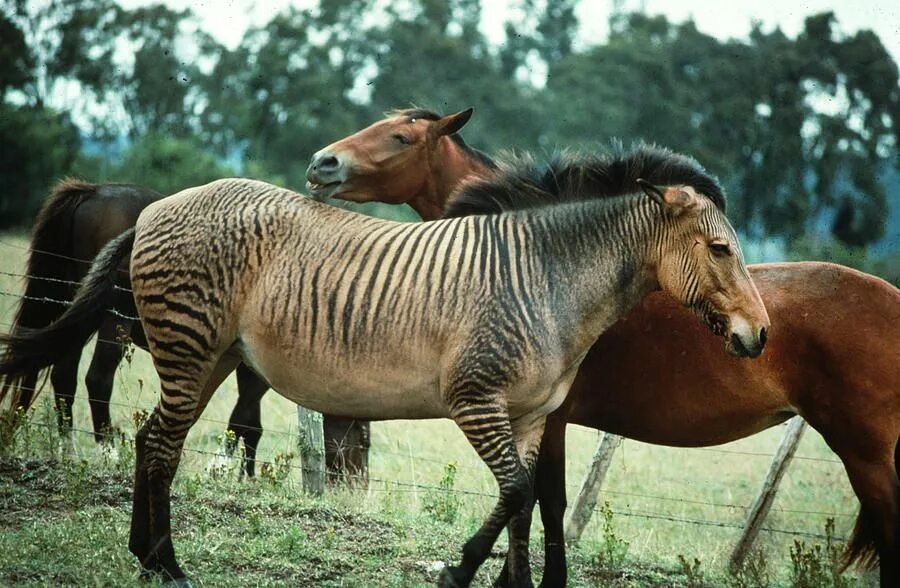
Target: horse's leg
(64,378)
(246,421)
(485,422)
(346,450)
(158,452)
(107,355)
(876,485)
(550,492)
(26,391)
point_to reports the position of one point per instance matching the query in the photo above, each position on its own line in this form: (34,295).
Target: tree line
(802,130)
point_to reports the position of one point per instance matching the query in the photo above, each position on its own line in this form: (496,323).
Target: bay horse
(833,357)
(490,315)
(77,219)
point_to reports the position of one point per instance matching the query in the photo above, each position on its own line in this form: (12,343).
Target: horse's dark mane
(413,113)
(522,183)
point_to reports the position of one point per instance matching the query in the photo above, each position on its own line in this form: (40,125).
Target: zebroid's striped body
(483,319)
(350,314)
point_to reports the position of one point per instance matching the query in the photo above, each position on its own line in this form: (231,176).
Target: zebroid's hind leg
(186,388)
(484,420)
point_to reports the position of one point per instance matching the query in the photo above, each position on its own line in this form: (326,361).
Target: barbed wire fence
(375,484)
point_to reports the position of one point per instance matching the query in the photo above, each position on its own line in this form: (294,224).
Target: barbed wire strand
(54,280)
(30,249)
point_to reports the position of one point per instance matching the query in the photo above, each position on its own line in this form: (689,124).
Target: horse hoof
(448,578)
(184,582)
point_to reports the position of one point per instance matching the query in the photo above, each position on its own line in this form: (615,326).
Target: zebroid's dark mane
(524,183)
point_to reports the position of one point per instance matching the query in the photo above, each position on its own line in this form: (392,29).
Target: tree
(167,164)
(751,112)
(435,57)
(284,91)
(16,60)
(39,146)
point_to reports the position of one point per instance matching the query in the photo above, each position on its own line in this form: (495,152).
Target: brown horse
(75,222)
(833,357)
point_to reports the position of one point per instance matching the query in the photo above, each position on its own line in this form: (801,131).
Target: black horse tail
(51,277)
(30,350)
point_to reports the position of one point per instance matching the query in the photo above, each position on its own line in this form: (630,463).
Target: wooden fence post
(590,487)
(312,450)
(760,509)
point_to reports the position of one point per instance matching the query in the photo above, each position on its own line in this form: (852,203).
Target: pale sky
(228,19)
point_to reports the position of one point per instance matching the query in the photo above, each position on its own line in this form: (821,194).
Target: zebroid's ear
(652,191)
(673,198)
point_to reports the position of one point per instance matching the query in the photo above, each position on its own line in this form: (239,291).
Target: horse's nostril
(328,163)
(763,336)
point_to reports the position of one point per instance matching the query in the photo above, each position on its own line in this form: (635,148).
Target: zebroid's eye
(720,248)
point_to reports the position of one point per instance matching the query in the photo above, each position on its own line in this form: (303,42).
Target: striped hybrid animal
(482,319)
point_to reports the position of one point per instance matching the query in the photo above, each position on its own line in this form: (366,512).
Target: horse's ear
(453,122)
(673,198)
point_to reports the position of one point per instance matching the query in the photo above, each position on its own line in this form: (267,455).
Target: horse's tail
(862,549)
(51,276)
(30,350)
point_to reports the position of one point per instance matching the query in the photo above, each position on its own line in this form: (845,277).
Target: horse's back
(851,342)
(111,210)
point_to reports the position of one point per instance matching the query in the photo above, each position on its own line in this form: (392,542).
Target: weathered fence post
(312,450)
(760,509)
(590,487)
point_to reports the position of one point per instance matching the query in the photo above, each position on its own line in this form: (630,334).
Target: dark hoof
(449,578)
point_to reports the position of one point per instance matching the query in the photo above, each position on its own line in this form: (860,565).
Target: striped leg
(528,434)
(550,491)
(185,393)
(485,422)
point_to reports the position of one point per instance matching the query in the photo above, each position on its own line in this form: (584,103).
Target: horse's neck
(451,166)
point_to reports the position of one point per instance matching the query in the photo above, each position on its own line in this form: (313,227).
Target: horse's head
(389,161)
(699,263)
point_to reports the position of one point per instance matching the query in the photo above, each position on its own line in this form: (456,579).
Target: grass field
(65,509)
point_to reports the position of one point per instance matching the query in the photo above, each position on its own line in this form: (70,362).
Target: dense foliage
(800,129)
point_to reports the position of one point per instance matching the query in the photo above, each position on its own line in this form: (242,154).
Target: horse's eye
(402,139)
(723,249)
